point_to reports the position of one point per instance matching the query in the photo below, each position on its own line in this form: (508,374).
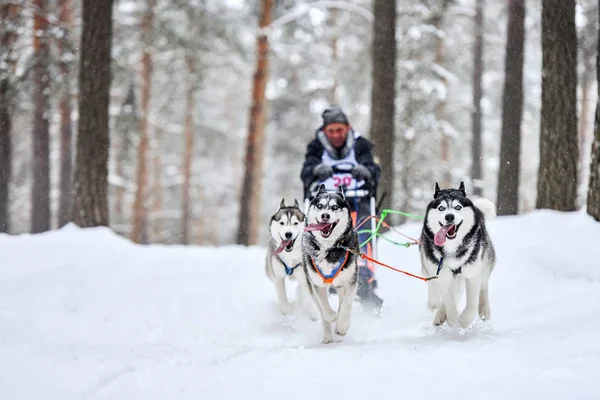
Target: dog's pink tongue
(317,227)
(440,237)
(282,246)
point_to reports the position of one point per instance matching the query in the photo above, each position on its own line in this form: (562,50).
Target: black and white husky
(284,257)
(329,248)
(455,243)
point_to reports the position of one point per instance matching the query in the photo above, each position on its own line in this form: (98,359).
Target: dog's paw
(286,308)
(440,317)
(342,327)
(466,318)
(484,311)
(327,340)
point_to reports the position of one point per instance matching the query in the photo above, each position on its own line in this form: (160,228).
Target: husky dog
(284,256)
(455,244)
(329,248)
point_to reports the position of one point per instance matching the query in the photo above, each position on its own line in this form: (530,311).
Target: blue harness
(440,266)
(289,271)
(454,271)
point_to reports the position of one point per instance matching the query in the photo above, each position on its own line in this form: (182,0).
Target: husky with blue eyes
(456,246)
(329,255)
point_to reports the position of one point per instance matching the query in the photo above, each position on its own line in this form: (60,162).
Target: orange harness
(336,271)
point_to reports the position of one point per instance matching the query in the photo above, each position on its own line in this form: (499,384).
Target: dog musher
(340,156)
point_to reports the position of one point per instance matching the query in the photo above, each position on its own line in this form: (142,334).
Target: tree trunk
(593,200)
(583,124)
(441,108)
(139,205)
(90,205)
(8,35)
(557,175)
(157,191)
(188,153)
(128,126)
(66,135)
(383,93)
(476,143)
(333,43)
(248,228)
(5,151)
(40,210)
(512,111)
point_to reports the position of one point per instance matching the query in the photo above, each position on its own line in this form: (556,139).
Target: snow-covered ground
(84,314)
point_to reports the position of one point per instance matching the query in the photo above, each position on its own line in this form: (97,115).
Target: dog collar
(335,272)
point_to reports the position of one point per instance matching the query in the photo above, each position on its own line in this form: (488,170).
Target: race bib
(345,179)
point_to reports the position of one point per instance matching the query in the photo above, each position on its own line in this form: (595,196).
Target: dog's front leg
(284,304)
(440,316)
(434,300)
(484,302)
(305,299)
(473,285)
(345,309)
(446,283)
(327,314)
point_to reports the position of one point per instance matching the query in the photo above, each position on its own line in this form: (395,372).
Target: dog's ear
(340,191)
(461,188)
(437,191)
(282,204)
(321,189)
(296,205)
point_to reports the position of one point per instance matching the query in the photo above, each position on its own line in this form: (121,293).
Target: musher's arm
(312,158)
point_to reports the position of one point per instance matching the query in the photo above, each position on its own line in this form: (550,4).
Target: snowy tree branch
(303,9)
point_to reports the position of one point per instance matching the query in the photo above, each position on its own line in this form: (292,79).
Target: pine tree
(66,132)
(559,153)
(251,186)
(8,34)
(593,200)
(383,93)
(476,143)
(90,205)
(139,233)
(512,111)
(40,191)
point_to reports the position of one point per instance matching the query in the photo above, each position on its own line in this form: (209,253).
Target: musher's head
(335,126)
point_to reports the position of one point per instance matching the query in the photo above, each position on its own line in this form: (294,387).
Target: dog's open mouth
(286,244)
(446,232)
(290,245)
(326,228)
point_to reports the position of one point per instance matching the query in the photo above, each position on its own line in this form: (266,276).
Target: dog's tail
(487,207)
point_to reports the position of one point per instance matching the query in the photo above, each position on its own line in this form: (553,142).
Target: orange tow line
(389,266)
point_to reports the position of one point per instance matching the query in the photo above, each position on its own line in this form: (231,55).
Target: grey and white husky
(284,257)
(455,243)
(329,248)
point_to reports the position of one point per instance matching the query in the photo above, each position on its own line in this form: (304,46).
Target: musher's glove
(322,171)
(361,172)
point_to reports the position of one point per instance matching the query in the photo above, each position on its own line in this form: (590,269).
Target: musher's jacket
(357,150)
